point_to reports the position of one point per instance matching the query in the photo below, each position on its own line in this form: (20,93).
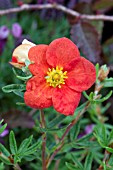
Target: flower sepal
(23,74)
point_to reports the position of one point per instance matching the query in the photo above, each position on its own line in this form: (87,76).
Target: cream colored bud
(25,41)
(21,53)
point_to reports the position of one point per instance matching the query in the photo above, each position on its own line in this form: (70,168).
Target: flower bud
(103,72)
(20,54)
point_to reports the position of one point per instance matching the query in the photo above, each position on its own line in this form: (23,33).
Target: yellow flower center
(56,77)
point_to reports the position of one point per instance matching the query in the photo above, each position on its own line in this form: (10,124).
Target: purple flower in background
(4,32)
(4,133)
(89,128)
(16,30)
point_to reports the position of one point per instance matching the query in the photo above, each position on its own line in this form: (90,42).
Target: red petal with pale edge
(38,94)
(65,100)
(61,52)
(82,77)
(37,55)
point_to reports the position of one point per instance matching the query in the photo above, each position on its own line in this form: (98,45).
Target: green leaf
(110,162)
(85,95)
(2,167)
(4,150)
(32,148)
(24,78)
(60,156)
(110,137)
(76,161)
(57,120)
(74,131)
(108,82)
(13,87)
(109,149)
(90,97)
(97,70)
(104,98)
(19,93)
(12,143)
(21,104)
(1,121)
(101,135)
(30,157)
(3,128)
(5,159)
(84,138)
(88,162)
(24,145)
(72,167)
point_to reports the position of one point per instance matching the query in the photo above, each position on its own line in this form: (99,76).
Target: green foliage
(92,99)
(88,162)
(2,128)
(13,87)
(104,137)
(80,149)
(12,143)
(108,82)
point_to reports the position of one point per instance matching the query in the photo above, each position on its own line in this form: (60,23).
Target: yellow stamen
(56,77)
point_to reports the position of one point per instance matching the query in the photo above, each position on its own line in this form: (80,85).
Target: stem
(17,167)
(65,133)
(106,157)
(42,121)
(26,7)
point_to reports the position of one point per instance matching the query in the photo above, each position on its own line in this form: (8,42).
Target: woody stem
(42,122)
(17,167)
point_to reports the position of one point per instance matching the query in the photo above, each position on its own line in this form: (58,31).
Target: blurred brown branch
(27,7)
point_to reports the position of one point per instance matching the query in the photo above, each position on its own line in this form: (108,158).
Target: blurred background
(93,38)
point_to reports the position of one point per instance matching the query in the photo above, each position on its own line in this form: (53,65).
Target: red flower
(59,76)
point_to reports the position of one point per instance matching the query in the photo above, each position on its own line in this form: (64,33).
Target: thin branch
(31,113)
(27,7)
(17,167)
(105,159)
(61,141)
(42,119)
(65,133)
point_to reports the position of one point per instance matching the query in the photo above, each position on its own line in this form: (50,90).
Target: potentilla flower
(59,76)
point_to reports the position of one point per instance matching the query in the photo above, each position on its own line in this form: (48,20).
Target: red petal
(61,52)
(14,59)
(38,94)
(65,100)
(37,55)
(82,77)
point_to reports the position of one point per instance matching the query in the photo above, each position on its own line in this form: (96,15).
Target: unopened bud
(103,72)
(20,54)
